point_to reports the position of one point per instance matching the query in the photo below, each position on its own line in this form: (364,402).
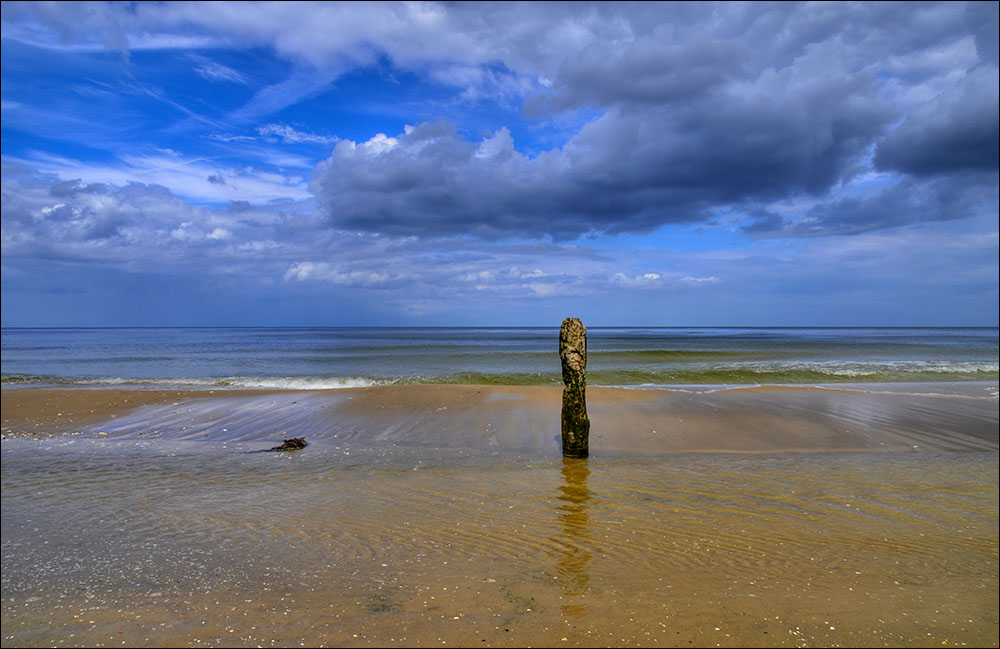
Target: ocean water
(313,358)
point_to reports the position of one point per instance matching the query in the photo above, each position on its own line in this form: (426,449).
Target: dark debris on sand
(293,444)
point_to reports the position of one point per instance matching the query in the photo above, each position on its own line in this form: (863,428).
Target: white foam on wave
(694,388)
(243,382)
(957,389)
(948,389)
(301,383)
(870,368)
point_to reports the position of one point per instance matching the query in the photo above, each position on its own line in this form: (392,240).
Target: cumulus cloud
(628,170)
(135,224)
(72,219)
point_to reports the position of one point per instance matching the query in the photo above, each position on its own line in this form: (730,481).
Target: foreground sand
(443,515)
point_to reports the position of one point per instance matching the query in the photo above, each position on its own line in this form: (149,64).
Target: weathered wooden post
(573,354)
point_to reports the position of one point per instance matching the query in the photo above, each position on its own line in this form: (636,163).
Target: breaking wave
(746,373)
(193,383)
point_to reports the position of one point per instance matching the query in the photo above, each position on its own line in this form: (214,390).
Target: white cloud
(325,272)
(185,176)
(698,281)
(543,290)
(77,27)
(377,145)
(232,138)
(293,136)
(646,280)
(214,71)
(136,225)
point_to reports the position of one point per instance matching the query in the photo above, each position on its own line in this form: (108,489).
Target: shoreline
(946,417)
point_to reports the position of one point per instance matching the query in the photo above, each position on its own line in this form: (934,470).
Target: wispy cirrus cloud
(196,179)
(214,71)
(291,135)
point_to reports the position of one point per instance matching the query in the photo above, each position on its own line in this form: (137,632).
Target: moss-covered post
(573,354)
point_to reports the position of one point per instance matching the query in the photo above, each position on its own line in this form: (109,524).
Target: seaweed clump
(293,444)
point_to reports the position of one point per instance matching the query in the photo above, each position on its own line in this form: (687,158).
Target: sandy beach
(435,514)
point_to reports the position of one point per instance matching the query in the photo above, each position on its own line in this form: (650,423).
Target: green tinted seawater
(353,357)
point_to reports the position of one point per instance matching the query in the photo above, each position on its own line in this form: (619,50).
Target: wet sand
(931,417)
(628,421)
(49,412)
(430,515)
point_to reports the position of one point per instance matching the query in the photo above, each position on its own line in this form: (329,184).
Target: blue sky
(514,164)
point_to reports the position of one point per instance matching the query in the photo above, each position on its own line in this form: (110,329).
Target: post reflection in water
(574,540)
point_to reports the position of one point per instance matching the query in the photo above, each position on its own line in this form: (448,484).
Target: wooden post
(573,354)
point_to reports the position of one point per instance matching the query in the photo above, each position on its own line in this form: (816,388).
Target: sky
(340,164)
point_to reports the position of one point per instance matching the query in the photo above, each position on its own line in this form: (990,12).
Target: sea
(636,357)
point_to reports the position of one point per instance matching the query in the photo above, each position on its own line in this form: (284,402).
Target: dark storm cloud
(907,202)
(633,169)
(957,131)
(984,21)
(630,170)
(705,108)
